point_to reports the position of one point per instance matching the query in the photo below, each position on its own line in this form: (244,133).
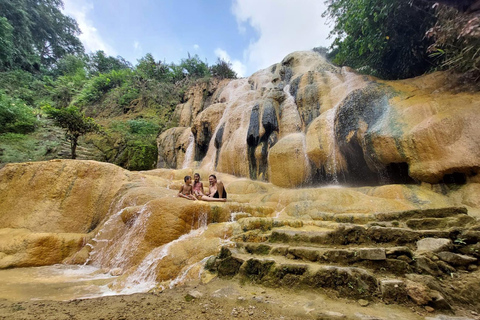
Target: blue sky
(251,34)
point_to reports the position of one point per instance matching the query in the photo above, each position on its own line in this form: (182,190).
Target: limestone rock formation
(349,128)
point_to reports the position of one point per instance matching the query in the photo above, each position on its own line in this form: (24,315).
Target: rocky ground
(219,300)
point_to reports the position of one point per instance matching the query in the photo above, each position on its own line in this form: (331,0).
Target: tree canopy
(35,33)
(385,38)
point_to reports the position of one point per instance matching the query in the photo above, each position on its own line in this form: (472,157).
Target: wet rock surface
(355,129)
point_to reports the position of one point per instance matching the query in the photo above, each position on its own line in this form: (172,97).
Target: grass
(38,146)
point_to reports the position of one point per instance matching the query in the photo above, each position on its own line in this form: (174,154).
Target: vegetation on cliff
(400,39)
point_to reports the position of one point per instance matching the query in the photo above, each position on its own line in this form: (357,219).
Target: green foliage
(99,62)
(15,115)
(194,67)
(383,37)
(6,41)
(70,65)
(25,86)
(16,147)
(99,85)
(143,127)
(223,70)
(41,33)
(140,155)
(74,122)
(457,42)
(148,68)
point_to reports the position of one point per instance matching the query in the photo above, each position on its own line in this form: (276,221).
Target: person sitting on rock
(216,190)
(197,186)
(186,191)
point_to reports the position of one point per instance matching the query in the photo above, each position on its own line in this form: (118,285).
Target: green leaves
(40,34)
(15,115)
(384,36)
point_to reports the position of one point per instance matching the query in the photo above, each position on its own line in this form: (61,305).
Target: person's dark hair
(212,175)
(186,178)
(197,174)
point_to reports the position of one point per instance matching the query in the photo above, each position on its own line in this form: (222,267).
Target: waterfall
(188,161)
(114,242)
(145,275)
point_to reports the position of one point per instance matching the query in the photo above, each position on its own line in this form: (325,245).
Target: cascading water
(231,92)
(114,242)
(145,275)
(189,153)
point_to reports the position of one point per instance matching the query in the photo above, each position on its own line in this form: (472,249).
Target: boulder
(456,259)
(289,167)
(434,244)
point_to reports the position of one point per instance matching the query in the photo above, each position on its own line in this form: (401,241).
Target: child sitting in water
(197,186)
(186,191)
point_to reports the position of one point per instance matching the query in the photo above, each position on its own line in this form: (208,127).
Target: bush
(223,70)
(23,85)
(15,115)
(386,37)
(194,67)
(457,42)
(99,85)
(143,127)
(141,155)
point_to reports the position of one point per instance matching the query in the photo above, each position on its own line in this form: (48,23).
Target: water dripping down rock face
(356,129)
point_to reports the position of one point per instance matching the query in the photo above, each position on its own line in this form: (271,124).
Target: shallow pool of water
(57,282)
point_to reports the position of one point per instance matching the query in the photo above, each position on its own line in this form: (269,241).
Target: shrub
(457,41)
(15,115)
(141,155)
(99,85)
(143,127)
(386,37)
(223,70)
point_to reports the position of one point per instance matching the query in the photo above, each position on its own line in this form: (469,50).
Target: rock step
(354,234)
(421,213)
(394,260)
(278,271)
(461,220)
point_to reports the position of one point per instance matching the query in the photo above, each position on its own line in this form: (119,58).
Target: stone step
(421,213)
(278,271)
(394,260)
(355,234)
(461,220)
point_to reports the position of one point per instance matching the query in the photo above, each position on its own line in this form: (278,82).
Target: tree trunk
(73,146)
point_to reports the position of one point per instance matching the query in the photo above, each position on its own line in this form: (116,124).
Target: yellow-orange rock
(289,166)
(58,195)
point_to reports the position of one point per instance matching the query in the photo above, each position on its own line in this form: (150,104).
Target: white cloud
(196,46)
(237,65)
(91,39)
(283,26)
(137,48)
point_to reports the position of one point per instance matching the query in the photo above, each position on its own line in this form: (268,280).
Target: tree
(195,67)
(383,37)
(6,37)
(223,70)
(148,68)
(99,62)
(41,33)
(74,122)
